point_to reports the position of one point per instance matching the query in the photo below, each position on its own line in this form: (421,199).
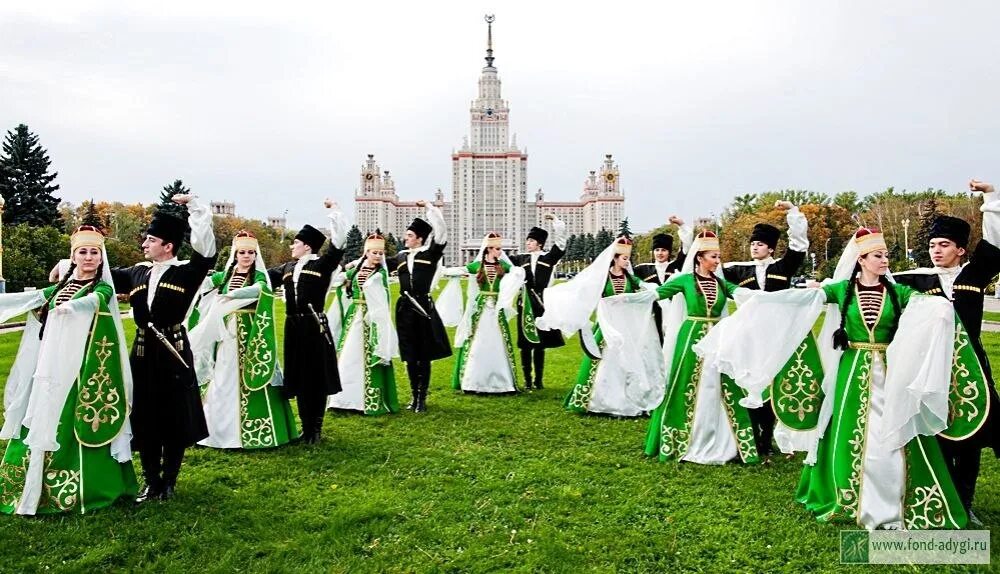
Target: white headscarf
(510,286)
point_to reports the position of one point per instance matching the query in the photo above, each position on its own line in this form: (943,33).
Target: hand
(976,185)
(182,198)
(329,203)
(813,284)
(783,205)
(675,220)
(549,217)
(421,203)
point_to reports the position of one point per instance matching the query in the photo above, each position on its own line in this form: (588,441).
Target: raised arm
(333,253)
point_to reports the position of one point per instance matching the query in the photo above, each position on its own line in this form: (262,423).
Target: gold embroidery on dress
(99,398)
(800,389)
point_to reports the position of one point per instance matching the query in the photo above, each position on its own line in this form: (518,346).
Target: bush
(29,253)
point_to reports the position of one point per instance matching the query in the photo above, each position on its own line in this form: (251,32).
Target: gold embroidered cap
(623,246)
(245,240)
(868,240)
(493,240)
(706,241)
(86,236)
(375,242)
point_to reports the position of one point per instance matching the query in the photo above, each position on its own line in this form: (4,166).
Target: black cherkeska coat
(779,273)
(647,272)
(310,365)
(166,402)
(421,333)
(967,296)
(535,283)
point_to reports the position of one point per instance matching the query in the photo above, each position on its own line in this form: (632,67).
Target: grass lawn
(991,316)
(477,484)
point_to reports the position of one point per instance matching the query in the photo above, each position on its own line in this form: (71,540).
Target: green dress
(485,362)
(82,475)
(589,376)
(368,384)
(243,408)
(672,434)
(832,488)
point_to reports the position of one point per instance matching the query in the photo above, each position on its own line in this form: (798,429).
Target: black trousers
(161,463)
(533,356)
(762,420)
(420,375)
(963,464)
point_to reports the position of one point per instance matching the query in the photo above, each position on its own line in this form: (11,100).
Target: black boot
(413,396)
(318,430)
(150,458)
(539,367)
(152,491)
(421,400)
(173,456)
(526,367)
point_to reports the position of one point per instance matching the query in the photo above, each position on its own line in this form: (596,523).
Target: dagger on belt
(319,323)
(417,305)
(166,343)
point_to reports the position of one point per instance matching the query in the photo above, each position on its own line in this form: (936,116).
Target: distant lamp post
(3,282)
(826,249)
(906,238)
(813,257)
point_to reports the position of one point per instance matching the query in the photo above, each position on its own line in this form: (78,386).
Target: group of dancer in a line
(892,401)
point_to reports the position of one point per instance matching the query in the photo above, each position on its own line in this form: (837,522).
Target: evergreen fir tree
(928,211)
(601,241)
(571,249)
(167,204)
(624,229)
(589,253)
(91,217)
(392,246)
(25,181)
(354,245)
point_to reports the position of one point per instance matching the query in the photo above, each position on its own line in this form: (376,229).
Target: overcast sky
(274,105)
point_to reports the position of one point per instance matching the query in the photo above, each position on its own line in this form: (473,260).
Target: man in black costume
(167,415)
(539,267)
(766,273)
(422,338)
(965,286)
(662,268)
(310,354)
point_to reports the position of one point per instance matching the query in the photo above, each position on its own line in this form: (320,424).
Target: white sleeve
(338,228)
(248,292)
(991,218)
(436,219)
(559,233)
(200,220)
(13,304)
(798,230)
(686,233)
(454,271)
(87,304)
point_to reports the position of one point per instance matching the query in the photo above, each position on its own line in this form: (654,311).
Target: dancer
(973,418)
(68,394)
(539,270)
(766,273)
(662,268)
(422,338)
(368,341)
(236,355)
(700,419)
(485,362)
(872,456)
(622,370)
(167,415)
(310,357)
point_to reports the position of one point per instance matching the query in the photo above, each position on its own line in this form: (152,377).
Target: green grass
(477,484)
(991,316)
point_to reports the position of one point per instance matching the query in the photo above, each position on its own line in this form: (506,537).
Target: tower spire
(489,40)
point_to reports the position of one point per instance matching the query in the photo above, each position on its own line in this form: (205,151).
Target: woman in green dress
(873,459)
(367,342)
(235,353)
(68,395)
(622,370)
(700,419)
(485,362)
